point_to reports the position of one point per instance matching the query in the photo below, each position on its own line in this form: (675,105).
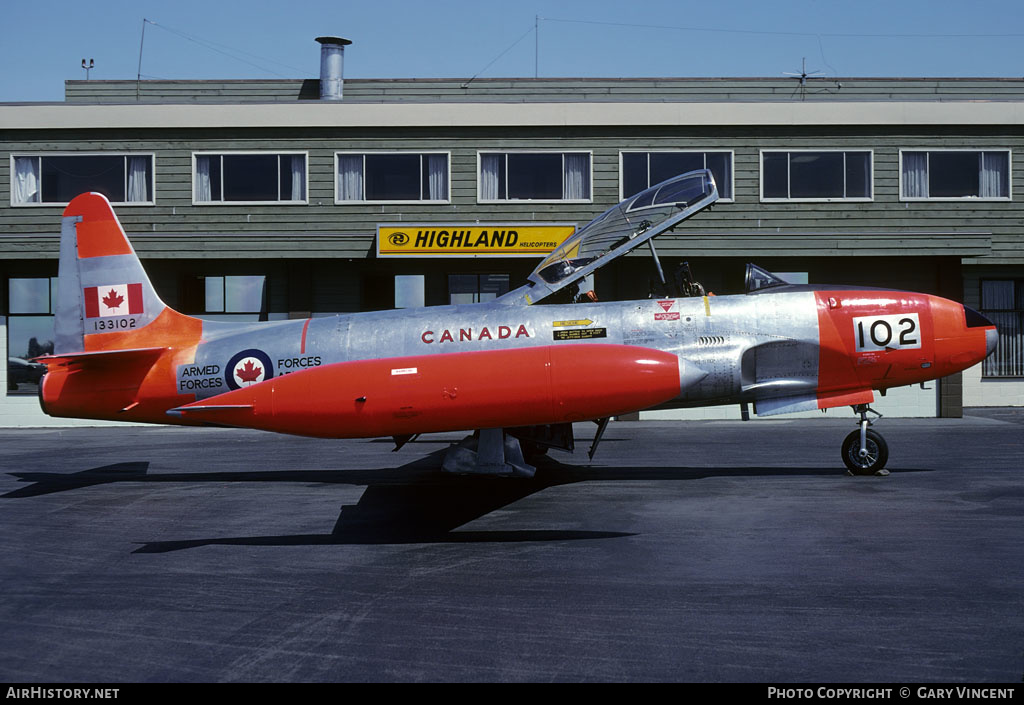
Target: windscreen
(621,227)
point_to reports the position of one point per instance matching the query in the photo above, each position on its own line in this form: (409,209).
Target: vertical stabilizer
(104,297)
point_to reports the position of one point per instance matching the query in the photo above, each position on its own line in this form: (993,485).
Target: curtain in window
(298,170)
(437,177)
(204,192)
(138,179)
(576,184)
(25,184)
(490,165)
(995,170)
(996,294)
(1008,358)
(350,177)
(1009,354)
(915,174)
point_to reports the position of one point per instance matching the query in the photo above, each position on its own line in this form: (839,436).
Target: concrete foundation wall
(979,391)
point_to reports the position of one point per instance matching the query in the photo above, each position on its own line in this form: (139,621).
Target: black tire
(878,453)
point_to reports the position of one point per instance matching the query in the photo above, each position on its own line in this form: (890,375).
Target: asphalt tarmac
(699,551)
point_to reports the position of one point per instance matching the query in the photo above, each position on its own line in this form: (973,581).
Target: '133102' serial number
(113,324)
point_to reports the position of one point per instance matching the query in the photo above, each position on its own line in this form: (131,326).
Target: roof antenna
(510,47)
(803,76)
(138,76)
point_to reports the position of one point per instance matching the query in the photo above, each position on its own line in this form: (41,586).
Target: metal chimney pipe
(332,66)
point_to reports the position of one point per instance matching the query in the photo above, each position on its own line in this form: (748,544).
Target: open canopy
(618,230)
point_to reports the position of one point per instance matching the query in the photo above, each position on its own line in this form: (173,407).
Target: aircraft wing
(618,230)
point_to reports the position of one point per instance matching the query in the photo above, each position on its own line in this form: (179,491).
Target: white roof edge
(315,114)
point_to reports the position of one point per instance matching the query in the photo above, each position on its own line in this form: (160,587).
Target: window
(234,298)
(792,277)
(476,288)
(410,291)
(249,178)
(954,174)
(643,169)
(30,306)
(534,176)
(1002,301)
(399,177)
(815,176)
(41,179)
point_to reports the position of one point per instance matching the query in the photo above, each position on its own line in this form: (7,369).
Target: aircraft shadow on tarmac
(413,503)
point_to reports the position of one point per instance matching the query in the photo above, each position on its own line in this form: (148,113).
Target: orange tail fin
(105,300)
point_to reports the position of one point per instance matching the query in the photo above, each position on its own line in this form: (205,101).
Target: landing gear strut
(865,452)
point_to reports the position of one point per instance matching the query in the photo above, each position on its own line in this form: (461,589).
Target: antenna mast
(803,76)
(536,44)
(138,76)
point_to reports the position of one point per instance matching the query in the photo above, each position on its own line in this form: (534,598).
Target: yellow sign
(473,240)
(566,324)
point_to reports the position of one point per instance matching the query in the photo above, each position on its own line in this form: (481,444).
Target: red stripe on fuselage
(305,327)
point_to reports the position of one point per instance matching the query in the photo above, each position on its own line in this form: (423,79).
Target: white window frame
(806,150)
(960,199)
(274,152)
(732,167)
(364,152)
(563,152)
(112,153)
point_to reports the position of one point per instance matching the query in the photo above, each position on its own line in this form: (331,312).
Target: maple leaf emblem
(248,372)
(113,299)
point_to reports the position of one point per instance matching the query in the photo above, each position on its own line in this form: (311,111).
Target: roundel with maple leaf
(247,368)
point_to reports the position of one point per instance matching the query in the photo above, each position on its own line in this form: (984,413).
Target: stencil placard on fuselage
(897,331)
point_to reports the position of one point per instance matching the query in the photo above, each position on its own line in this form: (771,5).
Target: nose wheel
(864,451)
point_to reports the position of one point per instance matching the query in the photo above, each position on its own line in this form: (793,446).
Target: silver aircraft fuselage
(709,334)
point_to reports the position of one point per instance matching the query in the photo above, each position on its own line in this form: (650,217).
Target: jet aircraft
(519,370)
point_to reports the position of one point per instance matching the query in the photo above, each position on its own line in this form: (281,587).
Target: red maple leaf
(113,300)
(249,372)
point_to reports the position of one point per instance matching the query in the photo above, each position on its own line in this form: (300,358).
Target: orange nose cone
(963,337)
(976,320)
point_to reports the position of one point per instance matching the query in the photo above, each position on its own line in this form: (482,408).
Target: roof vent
(332,66)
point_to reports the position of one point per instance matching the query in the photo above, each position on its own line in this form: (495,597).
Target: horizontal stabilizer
(208,410)
(101,358)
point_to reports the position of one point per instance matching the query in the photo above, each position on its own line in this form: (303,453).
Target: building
(262,199)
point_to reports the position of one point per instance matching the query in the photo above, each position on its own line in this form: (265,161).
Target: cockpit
(624,227)
(757,279)
(620,229)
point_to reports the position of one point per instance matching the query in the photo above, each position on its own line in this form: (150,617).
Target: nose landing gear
(864,451)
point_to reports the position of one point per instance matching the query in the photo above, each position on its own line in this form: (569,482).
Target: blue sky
(43,42)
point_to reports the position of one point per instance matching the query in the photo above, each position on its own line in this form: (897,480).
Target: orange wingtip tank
(428,393)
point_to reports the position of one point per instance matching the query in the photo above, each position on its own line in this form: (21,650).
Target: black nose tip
(975,319)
